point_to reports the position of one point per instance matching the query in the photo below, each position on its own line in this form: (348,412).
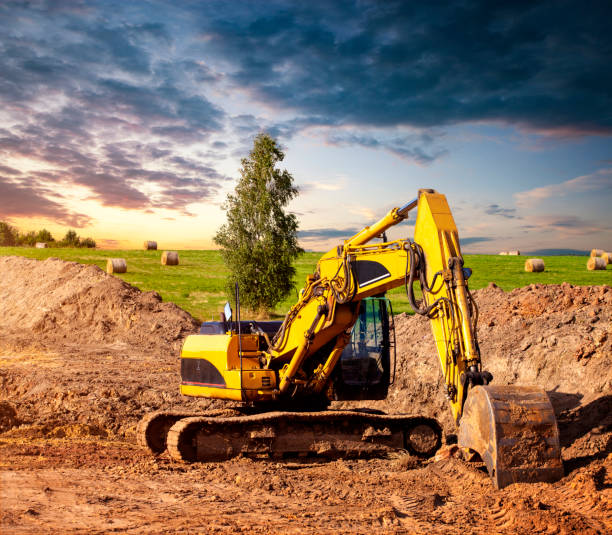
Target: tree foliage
(71,239)
(11,236)
(44,236)
(29,238)
(32,237)
(259,241)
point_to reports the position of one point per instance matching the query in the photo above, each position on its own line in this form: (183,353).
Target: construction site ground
(84,356)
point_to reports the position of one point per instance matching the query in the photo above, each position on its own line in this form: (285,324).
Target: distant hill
(557,252)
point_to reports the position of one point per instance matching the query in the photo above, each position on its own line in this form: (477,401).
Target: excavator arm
(512,428)
(358,269)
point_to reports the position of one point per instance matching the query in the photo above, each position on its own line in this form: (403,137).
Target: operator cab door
(364,370)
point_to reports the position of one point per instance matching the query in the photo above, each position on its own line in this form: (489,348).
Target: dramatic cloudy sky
(127,120)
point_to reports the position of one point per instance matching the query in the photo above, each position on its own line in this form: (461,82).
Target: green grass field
(198,283)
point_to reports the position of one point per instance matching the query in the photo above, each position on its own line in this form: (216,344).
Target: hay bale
(534,265)
(596,263)
(596,253)
(169,258)
(116,265)
(607,257)
(514,253)
(504,253)
(41,245)
(150,246)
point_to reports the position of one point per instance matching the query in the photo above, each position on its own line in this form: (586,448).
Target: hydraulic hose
(349,288)
(415,264)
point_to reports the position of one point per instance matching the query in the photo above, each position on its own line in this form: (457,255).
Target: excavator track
(328,434)
(152,430)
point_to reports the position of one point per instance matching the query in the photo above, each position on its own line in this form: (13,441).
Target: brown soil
(59,306)
(84,355)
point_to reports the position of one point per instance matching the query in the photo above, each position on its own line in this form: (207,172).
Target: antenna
(239,336)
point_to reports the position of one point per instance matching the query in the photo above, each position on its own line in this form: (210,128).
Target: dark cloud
(565,226)
(118,155)
(9,170)
(155,152)
(495,209)
(110,189)
(201,170)
(419,148)
(543,65)
(156,104)
(323,233)
(18,200)
(562,222)
(476,239)
(566,222)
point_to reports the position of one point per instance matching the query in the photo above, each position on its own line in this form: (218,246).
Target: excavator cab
(365,364)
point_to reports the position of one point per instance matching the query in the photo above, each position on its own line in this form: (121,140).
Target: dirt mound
(78,346)
(55,304)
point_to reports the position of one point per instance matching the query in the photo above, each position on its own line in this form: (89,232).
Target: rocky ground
(84,355)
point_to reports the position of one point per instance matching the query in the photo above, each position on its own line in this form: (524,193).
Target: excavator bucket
(514,430)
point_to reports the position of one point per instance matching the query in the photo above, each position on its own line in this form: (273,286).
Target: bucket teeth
(514,430)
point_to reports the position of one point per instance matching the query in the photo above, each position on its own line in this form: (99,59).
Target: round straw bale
(169,258)
(607,257)
(150,246)
(596,263)
(503,253)
(514,253)
(534,265)
(116,265)
(41,245)
(596,252)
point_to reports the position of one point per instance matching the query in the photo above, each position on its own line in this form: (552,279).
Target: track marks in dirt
(589,495)
(502,518)
(121,488)
(462,495)
(421,513)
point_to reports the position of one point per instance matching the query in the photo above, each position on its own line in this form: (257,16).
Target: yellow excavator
(337,343)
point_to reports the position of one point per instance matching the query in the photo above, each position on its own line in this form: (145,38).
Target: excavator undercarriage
(328,434)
